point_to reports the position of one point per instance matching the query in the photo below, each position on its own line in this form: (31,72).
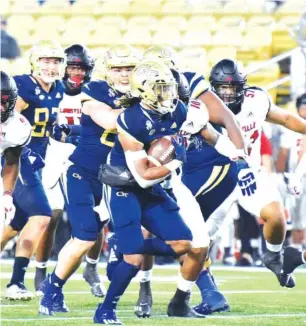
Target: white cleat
(18,292)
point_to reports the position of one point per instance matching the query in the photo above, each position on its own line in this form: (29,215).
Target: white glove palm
(293,183)
(8,207)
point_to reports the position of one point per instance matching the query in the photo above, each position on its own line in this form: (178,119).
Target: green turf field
(254,296)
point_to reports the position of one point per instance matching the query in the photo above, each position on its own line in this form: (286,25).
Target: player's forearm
(295,123)
(233,130)
(10,175)
(210,134)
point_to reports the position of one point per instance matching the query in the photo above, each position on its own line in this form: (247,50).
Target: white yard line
(24,320)
(172,266)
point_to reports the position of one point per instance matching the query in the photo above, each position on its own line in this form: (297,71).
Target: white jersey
(15,131)
(70,110)
(254,110)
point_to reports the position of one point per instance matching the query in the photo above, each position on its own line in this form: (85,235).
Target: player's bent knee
(135,260)
(198,254)
(82,245)
(273,211)
(181,247)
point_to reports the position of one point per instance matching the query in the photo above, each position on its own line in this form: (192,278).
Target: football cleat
(179,306)
(292,259)
(143,306)
(51,303)
(18,292)
(91,276)
(58,301)
(212,299)
(106,317)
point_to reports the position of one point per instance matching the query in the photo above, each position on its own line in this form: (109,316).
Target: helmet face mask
(48,60)
(80,65)
(8,96)
(119,62)
(228,82)
(229,93)
(120,78)
(154,83)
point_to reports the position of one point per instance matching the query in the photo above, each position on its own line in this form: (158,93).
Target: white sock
(145,276)
(273,247)
(41,264)
(184,285)
(92,261)
(303,259)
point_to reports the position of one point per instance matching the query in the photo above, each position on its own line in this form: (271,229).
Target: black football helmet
(8,96)
(227,73)
(78,55)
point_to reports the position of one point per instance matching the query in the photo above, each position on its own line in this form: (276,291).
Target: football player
(101,107)
(217,174)
(39,94)
(146,202)
(66,132)
(15,133)
(252,106)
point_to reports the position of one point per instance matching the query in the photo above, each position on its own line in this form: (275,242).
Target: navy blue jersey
(146,126)
(200,153)
(197,83)
(95,142)
(42,109)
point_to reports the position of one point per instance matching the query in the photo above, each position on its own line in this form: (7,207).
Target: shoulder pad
(19,130)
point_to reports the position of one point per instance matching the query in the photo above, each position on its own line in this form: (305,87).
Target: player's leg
(90,273)
(193,261)
(30,200)
(86,226)
(8,233)
(44,249)
(212,185)
(144,303)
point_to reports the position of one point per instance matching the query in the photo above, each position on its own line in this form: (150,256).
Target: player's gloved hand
(37,162)
(293,183)
(247,182)
(60,132)
(8,207)
(179,146)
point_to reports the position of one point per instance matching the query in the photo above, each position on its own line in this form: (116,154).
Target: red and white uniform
(15,131)
(251,118)
(69,112)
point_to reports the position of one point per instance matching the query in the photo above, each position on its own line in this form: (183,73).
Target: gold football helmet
(164,53)
(153,82)
(47,49)
(120,56)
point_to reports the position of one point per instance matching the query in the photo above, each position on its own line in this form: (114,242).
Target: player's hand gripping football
(178,143)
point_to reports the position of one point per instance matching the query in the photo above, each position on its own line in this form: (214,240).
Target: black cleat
(292,259)
(144,303)
(179,306)
(91,276)
(274,262)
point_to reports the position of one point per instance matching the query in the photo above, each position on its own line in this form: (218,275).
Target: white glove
(197,118)
(8,207)
(293,183)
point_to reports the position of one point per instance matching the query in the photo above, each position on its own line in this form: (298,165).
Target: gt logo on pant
(77,176)
(121,194)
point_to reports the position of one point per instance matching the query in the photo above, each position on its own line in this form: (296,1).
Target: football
(161,151)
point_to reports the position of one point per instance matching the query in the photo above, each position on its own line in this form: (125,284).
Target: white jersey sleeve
(254,110)
(16,131)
